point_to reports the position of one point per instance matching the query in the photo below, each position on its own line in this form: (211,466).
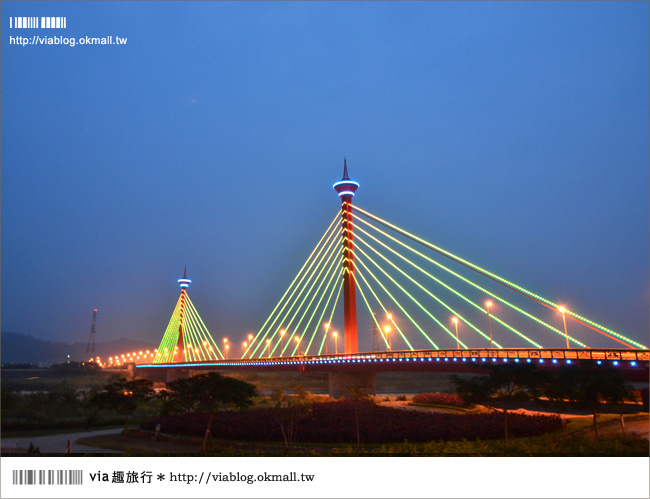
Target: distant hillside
(17,347)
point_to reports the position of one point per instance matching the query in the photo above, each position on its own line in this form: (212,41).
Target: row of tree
(584,385)
(201,393)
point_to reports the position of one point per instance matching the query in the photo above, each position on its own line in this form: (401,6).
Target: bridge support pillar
(352,384)
(174,374)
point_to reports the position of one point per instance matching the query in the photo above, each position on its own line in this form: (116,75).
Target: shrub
(335,422)
(450,399)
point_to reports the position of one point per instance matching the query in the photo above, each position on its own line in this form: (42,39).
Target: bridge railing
(614,356)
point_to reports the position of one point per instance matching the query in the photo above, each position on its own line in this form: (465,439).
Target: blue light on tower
(346,187)
(184,282)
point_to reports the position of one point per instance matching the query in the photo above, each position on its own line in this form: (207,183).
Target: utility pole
(91,340)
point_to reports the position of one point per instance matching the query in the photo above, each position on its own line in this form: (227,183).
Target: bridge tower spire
(346,189)
(180,345)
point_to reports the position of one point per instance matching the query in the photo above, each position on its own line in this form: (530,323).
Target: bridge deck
(635,361)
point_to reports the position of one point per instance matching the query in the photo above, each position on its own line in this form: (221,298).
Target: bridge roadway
(634,362)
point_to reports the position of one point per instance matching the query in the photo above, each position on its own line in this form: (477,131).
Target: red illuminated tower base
(179,356)
(346,189)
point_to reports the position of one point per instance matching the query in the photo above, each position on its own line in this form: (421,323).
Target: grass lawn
(574,439)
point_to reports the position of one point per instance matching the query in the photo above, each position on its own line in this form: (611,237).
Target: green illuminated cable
(469,323)
(410,296)
(330,257)
(325,247)
(299,287)
(331,269)
(327,243)
(195,336)
(318,270)
(329,300)
(498,278)
(380,303)
(204,336)
(297,275)
(374,318)
(336,301)
(334,273)
(199,334)
(190,338)
(333,281)
(333,262)
(209,336)
(530,316)
(424,309)
(160,357)
(169,332)
(166,340)
(442,303)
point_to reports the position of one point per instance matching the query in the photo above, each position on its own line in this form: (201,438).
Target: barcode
(37,22)
(48,477)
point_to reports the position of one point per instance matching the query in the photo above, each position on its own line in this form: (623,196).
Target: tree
(288,409)
(504,385)
(357,393)
(588,384)
(123,396)
(207,393)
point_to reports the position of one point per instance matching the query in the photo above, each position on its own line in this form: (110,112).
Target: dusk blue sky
(513,134)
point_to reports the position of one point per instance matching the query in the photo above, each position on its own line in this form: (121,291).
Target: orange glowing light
(488,303)
(455,320)
(562,310)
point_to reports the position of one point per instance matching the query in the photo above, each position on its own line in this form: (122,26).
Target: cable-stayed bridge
(422,307)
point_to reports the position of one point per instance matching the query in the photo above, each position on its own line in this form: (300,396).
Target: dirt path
(57,444)
(639,426)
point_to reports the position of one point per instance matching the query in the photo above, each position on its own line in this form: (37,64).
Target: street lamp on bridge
(566,335)
(327,326)
(488,304)
(387,330)
(250,342)
(455,321)
(282,333)
(336,341)
(268,348)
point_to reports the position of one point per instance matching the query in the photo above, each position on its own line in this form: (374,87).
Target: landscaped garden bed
(336,422)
